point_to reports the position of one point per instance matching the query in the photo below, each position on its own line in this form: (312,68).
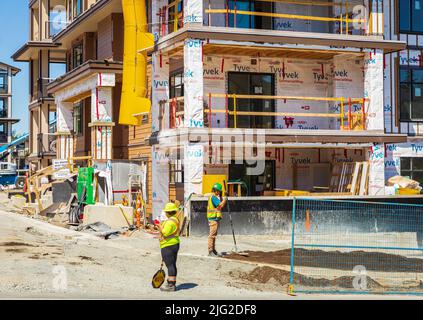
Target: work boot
(169,287)
(213,254)
(217,253)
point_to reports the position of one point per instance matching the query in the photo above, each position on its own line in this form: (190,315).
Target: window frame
(78,118)
(4,88)
(410,84)
(176,171)
(411,8)
(75,63)
(409,172)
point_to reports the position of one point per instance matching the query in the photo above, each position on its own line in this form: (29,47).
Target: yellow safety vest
(172,239)
(212,212)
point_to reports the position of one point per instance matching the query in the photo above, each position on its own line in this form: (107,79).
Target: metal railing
(339,19)
(40,89)
(4,88)
(52,28)
(355,247)
(348,113)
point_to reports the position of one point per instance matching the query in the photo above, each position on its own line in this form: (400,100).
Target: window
(177,85)
(176,91)
(3,82)
(3,107)
(250,21)
(412,168)
(77,8)
(411,13)
(175,18)
(176,171)
(77,118)
(411,93)
(77,55)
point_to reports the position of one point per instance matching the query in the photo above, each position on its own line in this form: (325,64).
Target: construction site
(305,113)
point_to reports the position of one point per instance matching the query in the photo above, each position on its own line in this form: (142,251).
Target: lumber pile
(351,178)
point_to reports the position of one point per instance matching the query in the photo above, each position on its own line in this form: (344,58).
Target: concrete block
(110,215)
(17,202)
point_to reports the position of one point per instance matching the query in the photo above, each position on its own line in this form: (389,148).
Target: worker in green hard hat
(214,215)
(169,243)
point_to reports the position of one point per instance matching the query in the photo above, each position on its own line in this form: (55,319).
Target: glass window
(77,7)
(77,118)
(412,168)
(176,170)
(77,55)
(411,12)
(3,107)
(411,93)
(3,82)
(177,85)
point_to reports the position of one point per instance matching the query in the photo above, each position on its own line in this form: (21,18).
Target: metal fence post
(291,281)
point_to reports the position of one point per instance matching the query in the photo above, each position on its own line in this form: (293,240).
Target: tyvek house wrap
(193,84)
(160,90)
(342,77)
(160,168)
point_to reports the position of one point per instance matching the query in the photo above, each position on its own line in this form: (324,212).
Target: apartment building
(404,88)
(44,58)
(306,75)
(86,38)
(7,72)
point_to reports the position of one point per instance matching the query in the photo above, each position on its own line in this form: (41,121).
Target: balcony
(46,144)
(52,28)
(231,111)
(4,89)
(40,90)
(337,18)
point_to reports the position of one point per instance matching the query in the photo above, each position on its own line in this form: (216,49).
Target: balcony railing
(52,28)
(40,89)
(348,18)
(46,144)
(4,88)
(246,111)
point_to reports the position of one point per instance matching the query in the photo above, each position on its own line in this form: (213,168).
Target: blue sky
(14,32)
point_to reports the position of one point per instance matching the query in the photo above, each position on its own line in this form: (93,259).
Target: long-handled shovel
(232,225)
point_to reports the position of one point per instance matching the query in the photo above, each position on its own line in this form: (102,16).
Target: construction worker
(169,244)
(214,215)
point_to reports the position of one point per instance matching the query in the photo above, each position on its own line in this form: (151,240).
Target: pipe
(134,87)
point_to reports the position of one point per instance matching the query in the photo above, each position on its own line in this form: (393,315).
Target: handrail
(345,114)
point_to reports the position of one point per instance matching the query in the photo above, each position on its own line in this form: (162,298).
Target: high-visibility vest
(212,212)
(168,240)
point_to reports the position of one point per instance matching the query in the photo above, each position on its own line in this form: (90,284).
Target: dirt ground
(374,261)
(40,260)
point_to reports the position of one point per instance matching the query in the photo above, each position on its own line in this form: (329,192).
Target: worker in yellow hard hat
(169,244)
(214,215)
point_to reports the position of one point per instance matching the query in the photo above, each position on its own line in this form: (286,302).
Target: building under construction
(278,98)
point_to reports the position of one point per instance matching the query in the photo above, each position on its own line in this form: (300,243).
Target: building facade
(404,88)
(7,73)
(306,76)
(75,54)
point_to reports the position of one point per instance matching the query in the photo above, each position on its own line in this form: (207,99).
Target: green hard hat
(218,187)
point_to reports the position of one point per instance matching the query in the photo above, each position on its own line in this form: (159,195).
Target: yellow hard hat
(170,207)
